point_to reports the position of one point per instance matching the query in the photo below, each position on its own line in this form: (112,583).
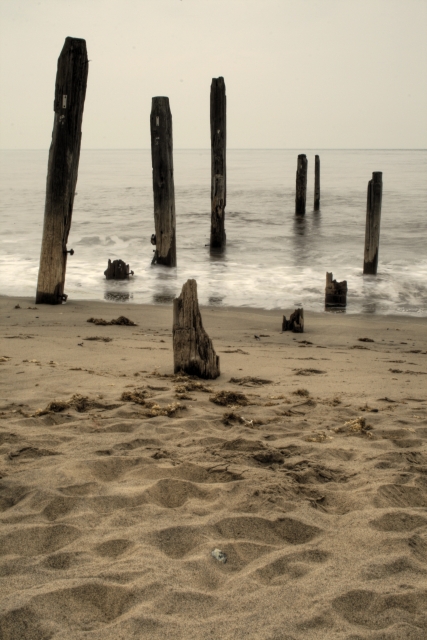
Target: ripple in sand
(32,541)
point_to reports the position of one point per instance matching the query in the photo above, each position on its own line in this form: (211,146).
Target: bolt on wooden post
(63,163)
(301,185)
(373,220)
(218,162)
(163,183)
(316,183)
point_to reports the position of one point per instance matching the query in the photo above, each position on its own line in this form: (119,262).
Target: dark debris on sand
(228,398)
(120,320)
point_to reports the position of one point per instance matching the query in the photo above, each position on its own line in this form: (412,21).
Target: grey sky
(301,74)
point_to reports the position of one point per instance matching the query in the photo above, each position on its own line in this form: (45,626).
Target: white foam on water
(272,259)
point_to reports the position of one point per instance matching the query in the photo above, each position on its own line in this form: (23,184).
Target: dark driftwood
(316,183)
(301,185)
(117,270)
(64,154)
(335,292)
(218,162)
(163,184)
(373,219)
(193,351)
(295,322)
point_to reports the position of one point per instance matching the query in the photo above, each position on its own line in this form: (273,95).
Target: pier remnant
(193,351)
(63,164)
(163,183)
(301,185)
(117,270)
(373,219)
(295,322)
(335,292)
(316,183)
(218,162)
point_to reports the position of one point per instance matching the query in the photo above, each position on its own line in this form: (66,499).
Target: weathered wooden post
(301,185)
(335,292)
(163,184)
(295,322)
(64,154)
(316,183)
(373,219)
(117,270)
(193,351)
(218,162)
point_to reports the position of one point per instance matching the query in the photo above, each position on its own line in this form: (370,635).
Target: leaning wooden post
(163,184)
(63,164)
(316,183)
(218,162)
(193,351)
(373,219)
(301,185)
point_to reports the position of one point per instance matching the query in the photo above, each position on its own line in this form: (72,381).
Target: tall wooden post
(218,162)
(373,219)
(316,183)
(64,154)
(163,184)
(301,185)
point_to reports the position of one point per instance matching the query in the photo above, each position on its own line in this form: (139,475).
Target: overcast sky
(300,74)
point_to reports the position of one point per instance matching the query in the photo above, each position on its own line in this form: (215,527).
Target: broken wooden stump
(301,185)
(218,162)
(193,351)
(295,322)
(316,183)
(117,270)
(163,183)
(373,219)
(335,292)
(63,163)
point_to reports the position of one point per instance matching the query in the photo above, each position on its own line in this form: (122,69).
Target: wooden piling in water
(63,163)
(163,183)
(301,185)
(316,183)
(335,292)
(218,115)
(373,220)
(117,270)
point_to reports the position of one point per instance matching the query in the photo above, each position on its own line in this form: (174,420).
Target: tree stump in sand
(63,164)
(295,322)
(335,292)
(193,351)
(117,270)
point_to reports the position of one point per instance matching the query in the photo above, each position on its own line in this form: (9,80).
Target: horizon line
(228,148)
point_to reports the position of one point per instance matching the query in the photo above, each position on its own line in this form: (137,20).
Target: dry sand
(315,487)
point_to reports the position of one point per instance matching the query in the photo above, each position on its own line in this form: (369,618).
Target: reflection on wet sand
(118,296)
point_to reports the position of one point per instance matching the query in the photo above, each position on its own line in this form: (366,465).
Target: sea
(272,259)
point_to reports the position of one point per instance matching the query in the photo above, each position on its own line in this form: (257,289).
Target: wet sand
(119,479)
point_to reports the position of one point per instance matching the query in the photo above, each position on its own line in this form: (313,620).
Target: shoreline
(118,479)
(277,311)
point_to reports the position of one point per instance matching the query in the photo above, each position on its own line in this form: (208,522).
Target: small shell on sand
(219,555)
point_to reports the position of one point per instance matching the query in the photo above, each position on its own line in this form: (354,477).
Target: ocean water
(272,260)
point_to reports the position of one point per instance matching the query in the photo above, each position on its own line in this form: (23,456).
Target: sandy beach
(119,479)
